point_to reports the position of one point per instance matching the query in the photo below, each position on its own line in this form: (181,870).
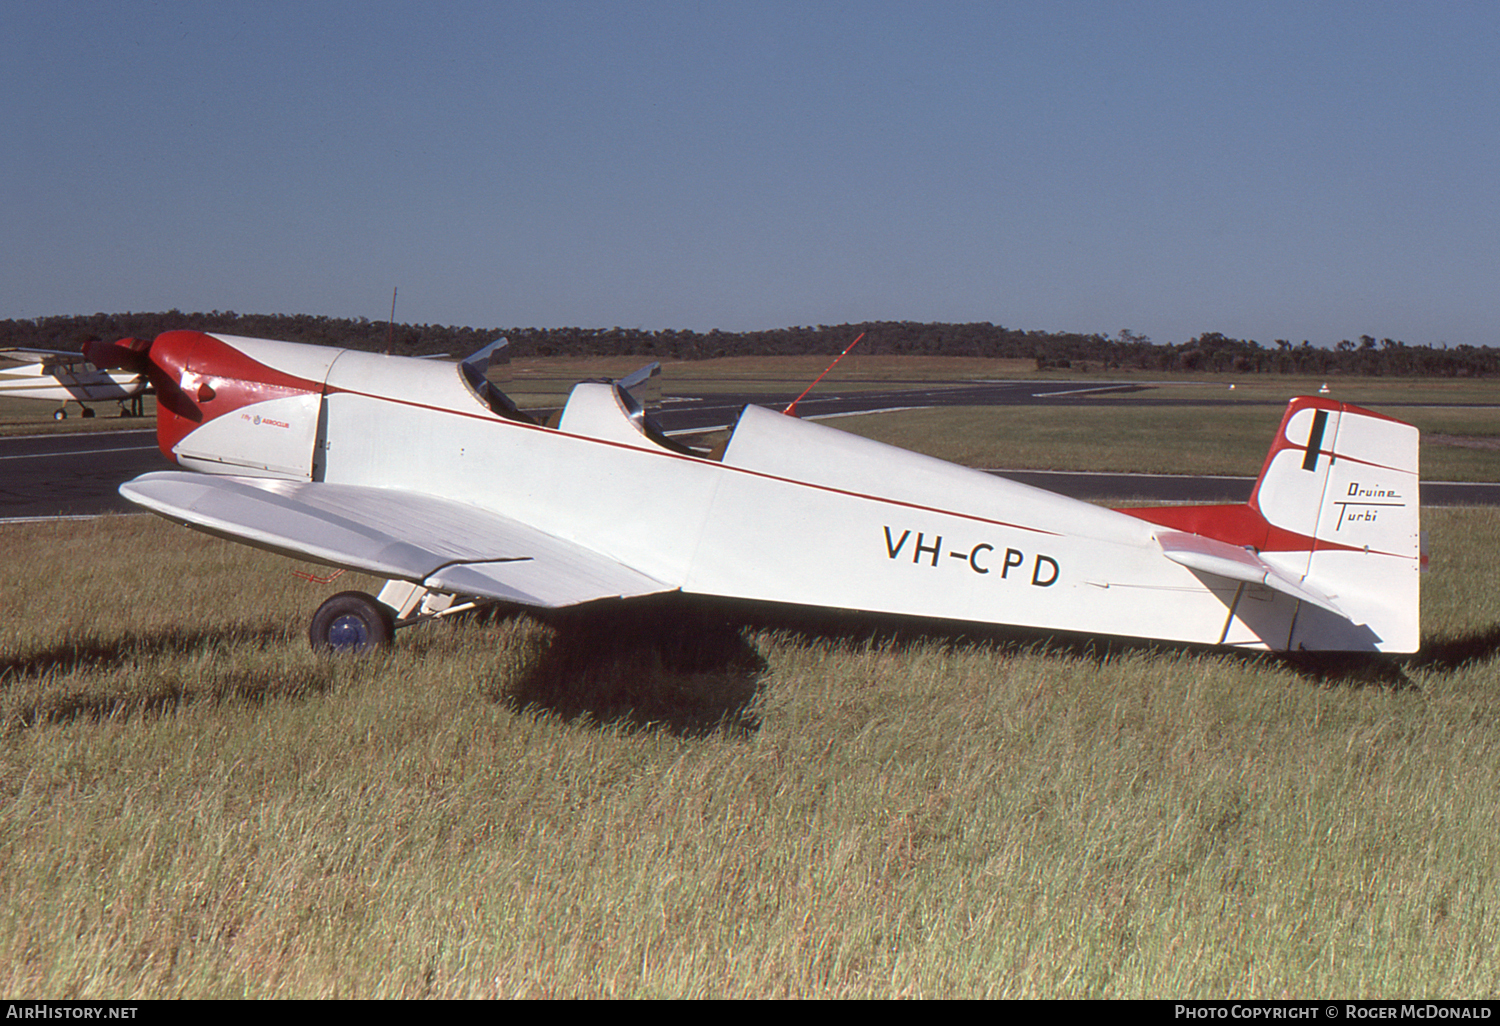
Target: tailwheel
(350,621)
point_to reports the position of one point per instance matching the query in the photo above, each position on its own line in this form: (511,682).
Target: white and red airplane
(423,473)
(63,377)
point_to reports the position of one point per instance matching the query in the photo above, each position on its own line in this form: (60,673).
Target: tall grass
(689,802)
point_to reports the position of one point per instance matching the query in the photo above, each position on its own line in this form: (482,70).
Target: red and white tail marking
(1342,477)
(1335,509)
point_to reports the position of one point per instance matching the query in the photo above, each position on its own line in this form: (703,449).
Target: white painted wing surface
(48,357)
(449,546)
(1215,557)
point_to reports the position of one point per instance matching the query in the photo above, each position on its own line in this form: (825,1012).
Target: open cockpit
(597,409)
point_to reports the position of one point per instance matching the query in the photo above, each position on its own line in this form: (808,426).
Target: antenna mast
(390,331)
(791,410)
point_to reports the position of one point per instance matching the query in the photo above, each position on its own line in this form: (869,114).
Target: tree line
(1210,351)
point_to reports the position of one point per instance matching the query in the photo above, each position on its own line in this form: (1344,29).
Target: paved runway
(74,474)
(78,474)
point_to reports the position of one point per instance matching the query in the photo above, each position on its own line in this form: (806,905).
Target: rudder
(1339,492)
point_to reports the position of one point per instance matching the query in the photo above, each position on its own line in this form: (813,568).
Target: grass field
(1457,444)
(34,417)
(685,803)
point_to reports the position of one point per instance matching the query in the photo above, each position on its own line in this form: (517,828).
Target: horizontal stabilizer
(445,545)
(1238,564)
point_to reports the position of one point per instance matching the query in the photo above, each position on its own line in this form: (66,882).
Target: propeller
(129,354)
(160,361)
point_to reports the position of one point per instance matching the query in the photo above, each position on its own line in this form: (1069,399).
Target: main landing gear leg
(352,621)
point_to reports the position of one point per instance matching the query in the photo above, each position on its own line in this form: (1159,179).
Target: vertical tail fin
(1339,494)
(1335,512)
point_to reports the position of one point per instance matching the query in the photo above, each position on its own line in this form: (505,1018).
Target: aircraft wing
(1238,564)
(444,545)
(48,358)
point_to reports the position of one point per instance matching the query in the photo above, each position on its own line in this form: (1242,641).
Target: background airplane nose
(131,354)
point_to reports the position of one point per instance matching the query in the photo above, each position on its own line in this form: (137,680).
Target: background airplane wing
(448,546)
(48,358)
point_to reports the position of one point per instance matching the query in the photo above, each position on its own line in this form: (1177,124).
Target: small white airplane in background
(425,474)
(63,377)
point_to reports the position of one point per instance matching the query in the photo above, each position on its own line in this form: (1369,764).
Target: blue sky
(1297,170)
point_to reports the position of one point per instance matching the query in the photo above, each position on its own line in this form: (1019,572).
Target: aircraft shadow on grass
(1437,655)
(657,664)
(124,650)
(1334,669)
(687,666)
(1457,652)
(649,664)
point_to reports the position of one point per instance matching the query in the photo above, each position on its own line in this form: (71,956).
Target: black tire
(60,414)
(88,412)
(350,621)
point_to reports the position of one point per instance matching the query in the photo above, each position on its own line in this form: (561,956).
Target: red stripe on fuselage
(663,453)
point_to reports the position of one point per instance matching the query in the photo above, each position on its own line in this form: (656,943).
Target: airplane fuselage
(793,512)
(63,385)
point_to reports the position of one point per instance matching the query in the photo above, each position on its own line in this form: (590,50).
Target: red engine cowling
(197,378)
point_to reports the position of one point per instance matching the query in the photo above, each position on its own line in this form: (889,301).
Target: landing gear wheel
(87,412)
(351,621)
(59,414)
